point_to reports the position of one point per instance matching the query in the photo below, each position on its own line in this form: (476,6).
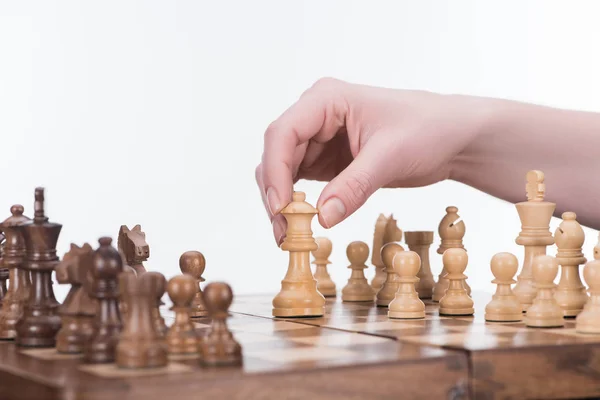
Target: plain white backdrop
(153,112)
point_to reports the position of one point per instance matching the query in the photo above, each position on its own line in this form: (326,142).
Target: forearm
(514,138)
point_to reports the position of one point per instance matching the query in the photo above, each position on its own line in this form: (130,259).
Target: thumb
(348,191)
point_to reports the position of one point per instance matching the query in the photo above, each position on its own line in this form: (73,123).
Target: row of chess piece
(112,311)
(404,277)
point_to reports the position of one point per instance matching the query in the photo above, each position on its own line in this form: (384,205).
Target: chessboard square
(268,326)
(460,340)
(390,325)
(246,338)
(113,371)
(340,340)
(301,354)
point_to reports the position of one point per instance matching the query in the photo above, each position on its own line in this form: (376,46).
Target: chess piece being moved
(451,230)
(569,238)
(588,321)
(456,301)
(140,344)
(40,321)
(504,306)
(386,230)
(193,263)
(419,242)
(14,254)
(299,296)
(535,236)
(388,292)
(132,244)
(218,346)
(182,337)
(545,311)
(406,303)
(107,265)
(357,288)
(325,285)
(78,309)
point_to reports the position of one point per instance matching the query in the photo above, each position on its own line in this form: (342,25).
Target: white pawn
(456,301)
(406,303)
(357,288)
(505,306)
(588,321)
(544,312)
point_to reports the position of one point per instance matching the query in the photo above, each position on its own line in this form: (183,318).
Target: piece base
(383,303)
(328,293)
(299,312)
(544,323)
(198,314)
(406,315)
(571,313)
(588,329)
(493,317)
(457,311)
(35,342)
(8,335)
(229,361)
(355,297)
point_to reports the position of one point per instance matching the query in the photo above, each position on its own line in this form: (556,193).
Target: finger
(354,185)
(261,188)
(318,114)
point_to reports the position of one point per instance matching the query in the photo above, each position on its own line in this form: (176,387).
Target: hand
(361,138)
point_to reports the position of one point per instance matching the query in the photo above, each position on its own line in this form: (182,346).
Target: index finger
(317,115)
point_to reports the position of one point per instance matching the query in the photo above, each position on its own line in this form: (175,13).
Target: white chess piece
(588,321)
(406,303)
(505,306)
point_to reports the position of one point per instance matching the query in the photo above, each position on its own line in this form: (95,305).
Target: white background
(153,112)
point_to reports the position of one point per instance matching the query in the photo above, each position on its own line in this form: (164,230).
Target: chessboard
(506,360)
(281,359)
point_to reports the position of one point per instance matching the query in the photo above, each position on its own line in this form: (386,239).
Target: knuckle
(325,83)
(272,130)
(360,187)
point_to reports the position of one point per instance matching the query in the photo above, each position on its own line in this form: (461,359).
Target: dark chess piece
(132,244)
(182,337)
(107,264)
(123,296)
(40,321)
(193,263)
(159,321)
(141,345)
(218,347)
(3,272)
(14,254)
(78,309)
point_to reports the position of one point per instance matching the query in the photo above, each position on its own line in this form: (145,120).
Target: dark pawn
(218,347)
(182,337)
(141,345)
(193,263)
(107,264)
(40,322)
(13,258)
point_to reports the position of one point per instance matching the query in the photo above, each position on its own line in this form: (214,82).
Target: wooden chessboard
(354,352)
(282,360)
(506,360)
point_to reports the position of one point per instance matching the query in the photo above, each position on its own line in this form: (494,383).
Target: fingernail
(333,211)
(272,201)
(278,231)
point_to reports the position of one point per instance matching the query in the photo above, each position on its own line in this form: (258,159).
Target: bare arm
(517,137)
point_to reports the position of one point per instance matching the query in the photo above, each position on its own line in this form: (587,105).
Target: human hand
(361,138)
